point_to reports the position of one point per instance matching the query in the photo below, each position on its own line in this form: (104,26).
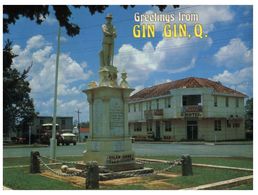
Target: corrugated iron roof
(190,82)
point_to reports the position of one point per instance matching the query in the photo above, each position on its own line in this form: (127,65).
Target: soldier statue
(107,52)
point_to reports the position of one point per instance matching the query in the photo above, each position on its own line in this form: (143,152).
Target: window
(128,107)
(134,107)
(228,124)
(167,126)
(226,102)
(63,122)
(215,101)
(137,127)
(237,102)
(217,125)
(167,102)
(149,126)
(157,102)
(236,125)
(191,100)
(140,107)
(149,105)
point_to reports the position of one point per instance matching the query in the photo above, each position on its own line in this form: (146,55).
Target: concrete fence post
(92,175)
(34,162)
(187,165)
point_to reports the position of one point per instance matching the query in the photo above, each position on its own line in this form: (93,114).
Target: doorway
(192,130)
(157,137)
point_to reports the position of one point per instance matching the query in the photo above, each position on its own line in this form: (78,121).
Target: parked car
(66,139)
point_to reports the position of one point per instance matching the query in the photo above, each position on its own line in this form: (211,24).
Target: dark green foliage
(63,14)
(18,108)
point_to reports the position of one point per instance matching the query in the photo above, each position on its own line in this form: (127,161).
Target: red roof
(190,82)
(84,129)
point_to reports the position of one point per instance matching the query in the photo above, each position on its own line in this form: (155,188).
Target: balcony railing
(192,108)
(150,114)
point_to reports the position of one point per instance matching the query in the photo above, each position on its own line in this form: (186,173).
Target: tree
(18,108)
(38,13)
(249,114)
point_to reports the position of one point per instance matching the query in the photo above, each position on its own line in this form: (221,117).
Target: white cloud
(234,54)
(168,56)
(184,68)
(69,72)
(65,108)
(245,25)
(209,15)
(241,80)
(42,55)
(35,42)
(162,81)
(49,20)
(138,63)
(42,74)
(63,39)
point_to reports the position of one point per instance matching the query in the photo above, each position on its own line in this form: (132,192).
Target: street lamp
(53,141)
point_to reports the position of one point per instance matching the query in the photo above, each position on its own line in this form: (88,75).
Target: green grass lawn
(20,178)
(16,161)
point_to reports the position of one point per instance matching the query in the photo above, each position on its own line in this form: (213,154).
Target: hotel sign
(192,114)
(192,111)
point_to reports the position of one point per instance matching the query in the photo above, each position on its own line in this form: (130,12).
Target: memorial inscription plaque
(116,117)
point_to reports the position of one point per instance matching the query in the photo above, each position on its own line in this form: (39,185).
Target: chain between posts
(61,161)
(170,163)
(140,174)
(59,173)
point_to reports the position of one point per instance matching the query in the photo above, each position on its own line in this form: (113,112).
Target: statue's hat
(109,16)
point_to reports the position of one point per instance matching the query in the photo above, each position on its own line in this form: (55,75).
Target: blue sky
(226,55)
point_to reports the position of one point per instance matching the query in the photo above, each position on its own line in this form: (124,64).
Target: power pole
(78,124)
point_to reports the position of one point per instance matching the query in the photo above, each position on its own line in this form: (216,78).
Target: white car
(67,138)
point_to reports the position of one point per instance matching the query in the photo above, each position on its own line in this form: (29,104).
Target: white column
(91,101)
(106,121)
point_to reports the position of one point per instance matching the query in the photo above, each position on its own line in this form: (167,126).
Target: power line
(126,36)
(117,22)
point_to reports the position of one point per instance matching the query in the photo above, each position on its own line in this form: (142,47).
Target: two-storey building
(187,109)
(64,122)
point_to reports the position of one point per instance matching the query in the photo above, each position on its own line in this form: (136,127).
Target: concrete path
(222,183)
(222,167)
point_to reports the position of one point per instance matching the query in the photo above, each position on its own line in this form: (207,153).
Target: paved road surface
(147,149)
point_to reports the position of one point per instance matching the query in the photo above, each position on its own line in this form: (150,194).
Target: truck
(64,137)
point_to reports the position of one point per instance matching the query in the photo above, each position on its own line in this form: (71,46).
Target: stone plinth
(109,142)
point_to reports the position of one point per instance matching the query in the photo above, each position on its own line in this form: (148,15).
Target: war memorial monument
(109,143)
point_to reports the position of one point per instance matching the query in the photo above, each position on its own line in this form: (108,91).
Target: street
(148,149)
